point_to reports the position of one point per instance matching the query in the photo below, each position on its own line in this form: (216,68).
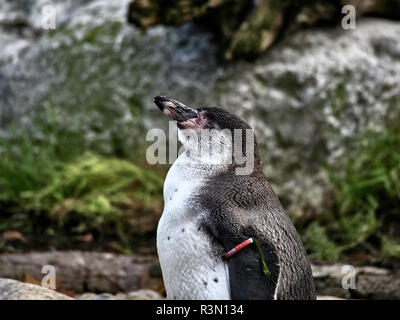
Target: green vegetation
(364,216)
(56,188)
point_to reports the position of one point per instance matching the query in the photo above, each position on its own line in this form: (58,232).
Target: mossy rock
(257,32)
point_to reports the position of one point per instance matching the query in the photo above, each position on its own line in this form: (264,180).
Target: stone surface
(15,290)
(95,68)
(253,26)
(245,28)
(370,282)
(78,272)
(310,97)
(143,294)
(328,298)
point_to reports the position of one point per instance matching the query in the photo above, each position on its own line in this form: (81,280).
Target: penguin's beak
(174,109)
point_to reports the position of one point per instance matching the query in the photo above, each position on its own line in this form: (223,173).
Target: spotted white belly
(190,266)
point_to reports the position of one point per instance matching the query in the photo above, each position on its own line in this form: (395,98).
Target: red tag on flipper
(239,247)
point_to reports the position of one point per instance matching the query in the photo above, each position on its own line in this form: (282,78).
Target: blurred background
(76,104)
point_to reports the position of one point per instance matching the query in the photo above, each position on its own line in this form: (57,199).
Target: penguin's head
(201,118)
(226,128)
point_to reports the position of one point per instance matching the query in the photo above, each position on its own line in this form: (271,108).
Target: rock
(328,280)
(152,279)
(383,8)
(328,298)
(258,32)
(370,282)
(11,235)
(94,296)
(78,272)
(253,28)
(310,97)
(148,13)
(122,69)
(15,290)
(143,294)
(246,29)
(380,287)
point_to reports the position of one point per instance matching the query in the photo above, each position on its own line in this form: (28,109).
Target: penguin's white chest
(191,266)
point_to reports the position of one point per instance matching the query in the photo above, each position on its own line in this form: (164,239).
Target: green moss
(95,34)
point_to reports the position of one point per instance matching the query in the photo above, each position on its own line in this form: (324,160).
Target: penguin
(209,209)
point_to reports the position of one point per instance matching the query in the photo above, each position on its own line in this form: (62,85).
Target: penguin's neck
(187,173)
(216,152)
(203,148)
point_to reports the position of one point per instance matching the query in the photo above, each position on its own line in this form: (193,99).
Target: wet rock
(15,290)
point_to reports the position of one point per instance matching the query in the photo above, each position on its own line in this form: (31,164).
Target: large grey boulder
(311,96)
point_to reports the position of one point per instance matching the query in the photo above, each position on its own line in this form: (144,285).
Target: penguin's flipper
(248,276)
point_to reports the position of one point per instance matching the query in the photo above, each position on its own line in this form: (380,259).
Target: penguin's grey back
(243,206)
